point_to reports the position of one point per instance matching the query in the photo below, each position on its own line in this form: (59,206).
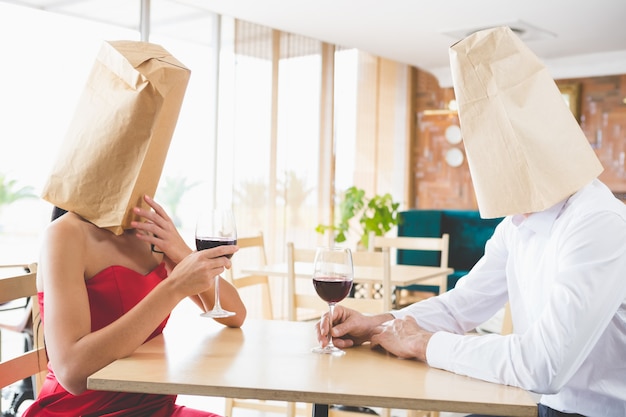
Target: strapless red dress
(112,292)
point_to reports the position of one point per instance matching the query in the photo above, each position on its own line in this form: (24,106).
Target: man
(558,258)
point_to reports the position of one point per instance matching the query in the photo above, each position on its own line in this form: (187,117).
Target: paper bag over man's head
(525,150)
(117,142)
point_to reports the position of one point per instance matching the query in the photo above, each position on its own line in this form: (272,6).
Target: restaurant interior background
(275,123)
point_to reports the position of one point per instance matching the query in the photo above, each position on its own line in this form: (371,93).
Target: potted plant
(377,214)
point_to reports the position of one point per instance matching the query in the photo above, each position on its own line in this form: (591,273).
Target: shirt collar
(540,222)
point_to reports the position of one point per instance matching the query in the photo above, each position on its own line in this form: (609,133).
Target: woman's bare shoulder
(68,226)
(63,248)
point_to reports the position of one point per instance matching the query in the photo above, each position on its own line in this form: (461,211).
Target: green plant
(10,193)
(377,214)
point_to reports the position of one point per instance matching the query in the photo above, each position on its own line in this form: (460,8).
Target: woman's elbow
(241,318)
(74,381)
(237,320)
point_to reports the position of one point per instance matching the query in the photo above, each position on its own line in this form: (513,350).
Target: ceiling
(168,17)
(574,38)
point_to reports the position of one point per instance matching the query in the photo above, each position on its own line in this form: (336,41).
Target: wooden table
(271,360)
(401,275)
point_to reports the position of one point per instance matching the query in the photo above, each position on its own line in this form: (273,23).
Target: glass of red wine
(215,228)
(332,280)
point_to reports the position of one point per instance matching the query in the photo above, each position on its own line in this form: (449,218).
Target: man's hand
(350,328)
(403,338)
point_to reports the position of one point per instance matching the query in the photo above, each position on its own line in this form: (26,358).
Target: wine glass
(215,228)
(332,278)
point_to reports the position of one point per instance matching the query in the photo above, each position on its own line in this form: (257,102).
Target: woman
(102,295)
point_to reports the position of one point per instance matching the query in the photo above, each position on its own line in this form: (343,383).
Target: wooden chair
(415,243)
(304,304)
(261,284)
(437,244)
(373,299)
(255,290)
(302,301)
(32,363)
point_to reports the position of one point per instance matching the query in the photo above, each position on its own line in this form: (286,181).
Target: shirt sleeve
(584,296)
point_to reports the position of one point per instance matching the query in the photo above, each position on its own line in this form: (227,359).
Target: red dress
(112,292)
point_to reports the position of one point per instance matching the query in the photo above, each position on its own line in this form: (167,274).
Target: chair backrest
(33,362)
(302,301)
(436,244)
(305,304)
(254,289)
(423,244)
(375,297)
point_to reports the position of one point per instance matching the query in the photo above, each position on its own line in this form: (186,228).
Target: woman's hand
(159,230)
(196,273)
(211,263)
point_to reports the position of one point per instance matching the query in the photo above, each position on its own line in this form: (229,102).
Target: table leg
(320,410)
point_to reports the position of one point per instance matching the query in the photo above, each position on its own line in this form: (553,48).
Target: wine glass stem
(217,305)
(331,307)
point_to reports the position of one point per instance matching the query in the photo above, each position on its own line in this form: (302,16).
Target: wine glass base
(329,350)
(216,314)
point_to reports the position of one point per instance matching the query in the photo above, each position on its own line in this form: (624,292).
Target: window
(273,123)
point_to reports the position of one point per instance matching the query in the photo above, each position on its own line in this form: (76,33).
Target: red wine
(332,289)
(203,243)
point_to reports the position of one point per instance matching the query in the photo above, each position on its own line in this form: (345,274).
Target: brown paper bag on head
(525,150)
(117,142)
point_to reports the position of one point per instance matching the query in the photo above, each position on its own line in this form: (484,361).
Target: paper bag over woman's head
(117,142)
(525,150)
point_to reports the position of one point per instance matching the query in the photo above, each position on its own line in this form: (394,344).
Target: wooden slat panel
(13,288)
(23,366)
(33,362)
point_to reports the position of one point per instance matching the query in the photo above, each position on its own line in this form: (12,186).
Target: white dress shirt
(563,271)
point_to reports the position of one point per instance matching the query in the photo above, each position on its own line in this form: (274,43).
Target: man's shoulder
(598,197)
(596,201)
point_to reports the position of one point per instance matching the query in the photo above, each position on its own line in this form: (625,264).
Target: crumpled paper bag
(118,140)
(525,149)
